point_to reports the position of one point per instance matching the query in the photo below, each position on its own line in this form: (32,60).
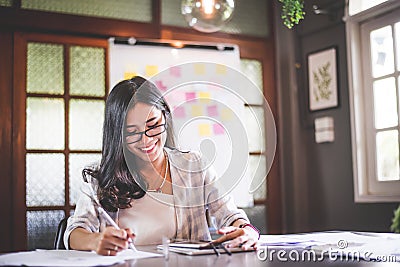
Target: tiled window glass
(133,10)
(87,71)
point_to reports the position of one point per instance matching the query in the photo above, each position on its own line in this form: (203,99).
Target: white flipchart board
(162,64)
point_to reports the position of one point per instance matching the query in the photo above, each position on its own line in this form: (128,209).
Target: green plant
(395,227)
(292,12)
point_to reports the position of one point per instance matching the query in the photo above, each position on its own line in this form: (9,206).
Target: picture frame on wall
(322,79)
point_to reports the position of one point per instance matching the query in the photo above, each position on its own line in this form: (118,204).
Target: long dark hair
(119,184)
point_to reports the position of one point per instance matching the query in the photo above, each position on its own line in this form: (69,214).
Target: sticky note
(197,111)
(175,71)
(220,69)
(129,75)
(151,70)
(204,97)
(212,111)
(199,69)
(226,114)
(218,129)
(179,112)
(204,129)
(160,85)
(190,96)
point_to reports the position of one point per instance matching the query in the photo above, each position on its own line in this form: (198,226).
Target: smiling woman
(142,177)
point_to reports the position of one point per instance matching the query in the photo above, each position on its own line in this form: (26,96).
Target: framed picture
(322,79)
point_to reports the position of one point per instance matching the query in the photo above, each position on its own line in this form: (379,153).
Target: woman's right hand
(111,241)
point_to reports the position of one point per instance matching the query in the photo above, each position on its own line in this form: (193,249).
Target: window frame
(366,186)
(20,96)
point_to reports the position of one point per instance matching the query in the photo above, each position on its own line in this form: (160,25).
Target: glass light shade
(207,15)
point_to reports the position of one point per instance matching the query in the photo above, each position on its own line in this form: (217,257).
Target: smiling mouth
(149,148)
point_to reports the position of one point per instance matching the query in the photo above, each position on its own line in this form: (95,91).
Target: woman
(151,189)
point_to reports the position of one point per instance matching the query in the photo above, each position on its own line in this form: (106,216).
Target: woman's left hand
(246,238)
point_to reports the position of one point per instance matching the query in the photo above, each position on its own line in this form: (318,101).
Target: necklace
(159,189)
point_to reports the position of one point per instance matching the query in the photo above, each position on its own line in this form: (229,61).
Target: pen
(107,217)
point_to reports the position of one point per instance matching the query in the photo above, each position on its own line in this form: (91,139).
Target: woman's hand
(111,241)
(246,238)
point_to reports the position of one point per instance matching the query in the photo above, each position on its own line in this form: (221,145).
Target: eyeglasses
(135,137)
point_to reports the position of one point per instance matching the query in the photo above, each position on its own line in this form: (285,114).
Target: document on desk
(69,258)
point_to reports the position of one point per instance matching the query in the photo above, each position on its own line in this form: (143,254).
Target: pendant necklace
(159,189)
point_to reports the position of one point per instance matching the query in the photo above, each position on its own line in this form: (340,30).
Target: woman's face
(138,119)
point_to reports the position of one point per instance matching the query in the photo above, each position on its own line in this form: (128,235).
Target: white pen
(107,217)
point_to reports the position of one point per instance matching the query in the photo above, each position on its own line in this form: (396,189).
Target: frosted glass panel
(257,170)
(86,124)
(87,71)
(387,151)
(254,124)
(135,10)
(45,69)
(42,228)
(44,123)
(45,174)
(252,69)
(6,2)
(385,103)
(382,51)
(77,162)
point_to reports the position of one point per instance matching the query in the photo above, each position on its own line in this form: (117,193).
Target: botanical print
(322,79)
(322,82)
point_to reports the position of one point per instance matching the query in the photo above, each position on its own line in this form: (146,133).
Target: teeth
(148,148)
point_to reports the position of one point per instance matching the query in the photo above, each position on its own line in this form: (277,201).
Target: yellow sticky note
(151,70)
(220,69)
(204,96)
(199,69)
(204,130)
(197,111)
(129,75)
(226,114)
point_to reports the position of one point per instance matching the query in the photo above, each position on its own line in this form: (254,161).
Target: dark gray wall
(318,178)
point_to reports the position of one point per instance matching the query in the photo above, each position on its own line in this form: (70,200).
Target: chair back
(59,239)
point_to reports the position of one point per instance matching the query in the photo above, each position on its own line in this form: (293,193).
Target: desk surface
(237,259)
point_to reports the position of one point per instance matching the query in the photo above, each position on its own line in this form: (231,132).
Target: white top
(150,227)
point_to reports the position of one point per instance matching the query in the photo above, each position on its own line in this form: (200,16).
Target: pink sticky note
(212,111)
(218,129)
(179,112)
(175,71)
(161,86)
(190,96)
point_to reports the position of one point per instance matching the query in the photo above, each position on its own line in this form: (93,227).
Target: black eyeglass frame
(145,132)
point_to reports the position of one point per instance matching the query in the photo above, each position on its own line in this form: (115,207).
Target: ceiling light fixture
(207,15)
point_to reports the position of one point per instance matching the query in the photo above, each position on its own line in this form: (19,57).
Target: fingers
(113,240)
(229,234)
(238,237)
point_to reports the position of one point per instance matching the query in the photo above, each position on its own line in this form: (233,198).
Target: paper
(204,130)
(220,69)
(179,112)
(69,258)
(204,97)
(199,69)
(212,111)
(218,129)
(129,75)
(197,111)
(151,70)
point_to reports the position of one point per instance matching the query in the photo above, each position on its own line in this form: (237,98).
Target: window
(373,41)
(64,101)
